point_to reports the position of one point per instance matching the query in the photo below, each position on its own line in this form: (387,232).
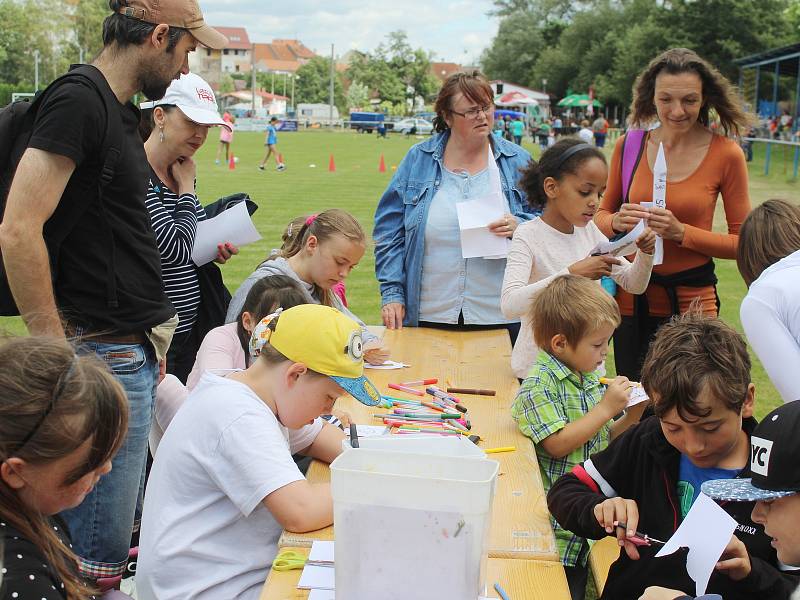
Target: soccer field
(308,186)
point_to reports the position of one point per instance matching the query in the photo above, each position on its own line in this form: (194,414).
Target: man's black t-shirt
(71,122)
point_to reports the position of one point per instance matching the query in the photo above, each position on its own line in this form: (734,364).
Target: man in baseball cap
(775,482)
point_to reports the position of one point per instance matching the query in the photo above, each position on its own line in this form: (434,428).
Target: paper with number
(624,246)
(659,197)
(637,395)
(475,215)
(706,531)
(233,225)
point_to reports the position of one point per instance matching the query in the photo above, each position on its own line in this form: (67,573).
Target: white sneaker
(281,167)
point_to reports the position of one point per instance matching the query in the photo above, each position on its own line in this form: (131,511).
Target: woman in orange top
(678,90)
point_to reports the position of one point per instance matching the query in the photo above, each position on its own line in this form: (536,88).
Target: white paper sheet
(637,395)
(316,577)
(366,431)
(322,552)
(233,225)
(623,246)
(706,531)
(387,365)
(475,215)
(322,595)
(658,254)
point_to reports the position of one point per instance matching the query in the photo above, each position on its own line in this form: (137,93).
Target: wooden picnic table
(520,526)
(530,579)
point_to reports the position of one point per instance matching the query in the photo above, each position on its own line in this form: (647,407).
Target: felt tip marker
(501,449)
(608,381)
(433,381)
(407,390)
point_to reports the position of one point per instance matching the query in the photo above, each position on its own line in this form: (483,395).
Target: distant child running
(566,185)
(562,406)
(272,144)
(224,485)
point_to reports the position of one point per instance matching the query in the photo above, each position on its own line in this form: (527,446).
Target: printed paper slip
(233,225)
(622,247)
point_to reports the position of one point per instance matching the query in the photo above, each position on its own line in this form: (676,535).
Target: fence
(771,147)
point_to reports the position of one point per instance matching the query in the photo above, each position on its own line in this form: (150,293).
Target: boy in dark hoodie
(697,373)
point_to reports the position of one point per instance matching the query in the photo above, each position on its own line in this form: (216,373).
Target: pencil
(473,391)
(607,381)
(501,449)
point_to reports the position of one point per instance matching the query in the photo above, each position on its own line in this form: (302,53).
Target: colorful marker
(501,449)
(421,382)
(472,391)
(407,390)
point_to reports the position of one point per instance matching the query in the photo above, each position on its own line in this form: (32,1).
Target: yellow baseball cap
(323,339)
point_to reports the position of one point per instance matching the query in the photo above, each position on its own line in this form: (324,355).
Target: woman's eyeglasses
(473,113)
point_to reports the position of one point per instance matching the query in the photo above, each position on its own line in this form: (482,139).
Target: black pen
(353,435)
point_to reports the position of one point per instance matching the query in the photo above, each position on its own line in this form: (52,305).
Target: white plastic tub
(410,525)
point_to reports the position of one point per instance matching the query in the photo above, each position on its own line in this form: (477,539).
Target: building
(235,58)
(265,102)
(443,70)
(282,56)
(542,100)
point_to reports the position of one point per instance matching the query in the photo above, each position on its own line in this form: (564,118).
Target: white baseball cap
(192,94)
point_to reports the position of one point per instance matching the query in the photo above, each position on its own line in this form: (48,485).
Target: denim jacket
(402,212)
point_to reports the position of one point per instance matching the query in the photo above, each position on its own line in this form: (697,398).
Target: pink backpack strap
(632,149)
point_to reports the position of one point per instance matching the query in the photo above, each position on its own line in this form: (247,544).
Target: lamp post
(544,86)
(36,70)
(294,78)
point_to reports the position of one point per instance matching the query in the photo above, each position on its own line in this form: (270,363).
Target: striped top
(174,221)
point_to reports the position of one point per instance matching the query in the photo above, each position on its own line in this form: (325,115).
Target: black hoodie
(641,465)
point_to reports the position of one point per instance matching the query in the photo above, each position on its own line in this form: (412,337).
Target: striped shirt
(174,221)
(551,397)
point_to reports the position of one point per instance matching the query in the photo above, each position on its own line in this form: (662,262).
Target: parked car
(406,125)
(366,121)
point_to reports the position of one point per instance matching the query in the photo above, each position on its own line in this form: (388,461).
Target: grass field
(356,185)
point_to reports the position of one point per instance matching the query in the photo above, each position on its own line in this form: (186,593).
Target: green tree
(357,95)
(89,17)
(313,83)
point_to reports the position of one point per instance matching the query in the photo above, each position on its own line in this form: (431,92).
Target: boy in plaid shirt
(562,406)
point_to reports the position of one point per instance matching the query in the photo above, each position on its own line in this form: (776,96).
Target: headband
(58,389)
(262,332)
(310,220)
(572,151)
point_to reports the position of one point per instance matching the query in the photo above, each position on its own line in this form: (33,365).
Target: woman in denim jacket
(423,278)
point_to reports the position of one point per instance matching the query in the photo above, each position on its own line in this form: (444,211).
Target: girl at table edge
(62,418)
(679,90)
(768,258)
(464,119)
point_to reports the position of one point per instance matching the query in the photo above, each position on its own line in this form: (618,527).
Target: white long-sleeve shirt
(770,315)
(537,255)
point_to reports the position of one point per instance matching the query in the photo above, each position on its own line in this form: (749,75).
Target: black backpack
(16,127)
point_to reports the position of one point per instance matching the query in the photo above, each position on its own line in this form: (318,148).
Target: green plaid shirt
(552,396)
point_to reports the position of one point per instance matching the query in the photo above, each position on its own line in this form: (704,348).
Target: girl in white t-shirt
(768,258)
(566,185)
(223,484)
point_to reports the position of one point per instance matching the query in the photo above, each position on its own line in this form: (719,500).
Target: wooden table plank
(478,359)
(530,579)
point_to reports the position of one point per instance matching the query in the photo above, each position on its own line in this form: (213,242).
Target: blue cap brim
(740,490)
(360,388)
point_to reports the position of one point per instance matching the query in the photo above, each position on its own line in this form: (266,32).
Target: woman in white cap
(180,123)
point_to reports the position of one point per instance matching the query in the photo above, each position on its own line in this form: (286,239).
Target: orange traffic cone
(331,165)
(232,162)
(382,165)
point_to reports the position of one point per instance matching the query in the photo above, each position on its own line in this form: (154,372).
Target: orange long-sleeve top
(692,201)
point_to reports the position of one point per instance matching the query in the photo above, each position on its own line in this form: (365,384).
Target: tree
(89,17)
(226,85)
(357,96)
(313,83)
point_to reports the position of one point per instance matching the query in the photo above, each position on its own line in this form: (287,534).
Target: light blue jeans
(102,525)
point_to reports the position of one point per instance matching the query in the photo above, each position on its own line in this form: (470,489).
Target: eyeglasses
(473,113)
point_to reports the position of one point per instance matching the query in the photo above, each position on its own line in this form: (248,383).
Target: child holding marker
(562,406)
(224,486)
(567,185)
(697,373)
(320,254)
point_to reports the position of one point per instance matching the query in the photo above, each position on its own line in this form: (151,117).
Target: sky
(454,30)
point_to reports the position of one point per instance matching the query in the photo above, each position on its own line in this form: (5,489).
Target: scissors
(288,560)
(640,539)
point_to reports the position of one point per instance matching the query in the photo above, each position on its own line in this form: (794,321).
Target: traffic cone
(382,166)
(331,165)
(231,162)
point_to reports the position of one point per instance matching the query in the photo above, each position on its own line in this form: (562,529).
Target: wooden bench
(604,553)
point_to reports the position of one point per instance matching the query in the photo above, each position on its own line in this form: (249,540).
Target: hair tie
(310,220)
(572,151)
(262,332)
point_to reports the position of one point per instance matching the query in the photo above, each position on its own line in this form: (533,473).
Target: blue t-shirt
(272,135)
(691,477)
